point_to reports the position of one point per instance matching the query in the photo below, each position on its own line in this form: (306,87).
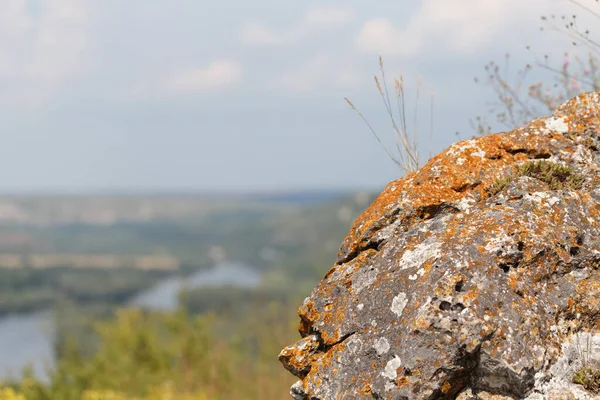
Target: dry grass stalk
(407,154)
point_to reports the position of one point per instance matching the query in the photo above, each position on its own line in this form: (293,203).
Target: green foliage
(589,378)
(230,300)
(556,176)
(174,355)
(10,394)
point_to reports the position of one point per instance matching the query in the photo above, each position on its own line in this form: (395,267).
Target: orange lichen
(299,357)
(324,362)
(446,387)
(421,323)
(402,381)
(366,389)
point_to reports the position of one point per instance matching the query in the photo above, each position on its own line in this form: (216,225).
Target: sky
(237,96)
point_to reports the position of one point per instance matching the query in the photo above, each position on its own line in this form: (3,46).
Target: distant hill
(46,210)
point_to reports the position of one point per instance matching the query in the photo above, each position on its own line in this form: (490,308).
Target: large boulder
(476,277)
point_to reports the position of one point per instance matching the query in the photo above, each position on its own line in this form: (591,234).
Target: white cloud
(319,74)
(41,52)
(449,25)
(220,73)
(315,20)
(189,80)
(380,36)
(328,16)
(256,34)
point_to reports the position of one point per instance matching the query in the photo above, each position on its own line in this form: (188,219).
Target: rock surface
(467,279)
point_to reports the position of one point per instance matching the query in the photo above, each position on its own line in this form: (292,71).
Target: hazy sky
(238,95)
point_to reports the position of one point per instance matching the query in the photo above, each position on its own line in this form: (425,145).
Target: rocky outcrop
(476,277)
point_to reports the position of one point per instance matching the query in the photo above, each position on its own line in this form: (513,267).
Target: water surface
(27,339)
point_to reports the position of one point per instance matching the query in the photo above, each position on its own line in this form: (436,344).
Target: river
(26,339)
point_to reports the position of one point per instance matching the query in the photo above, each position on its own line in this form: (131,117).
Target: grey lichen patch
(391,367)
(354,345)
(382,346)
(421,253)
(363,279)
(557,124)
(398,304)
(556,176)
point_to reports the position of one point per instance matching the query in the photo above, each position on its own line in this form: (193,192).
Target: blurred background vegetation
(220,340)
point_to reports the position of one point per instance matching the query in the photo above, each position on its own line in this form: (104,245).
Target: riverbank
(28,339)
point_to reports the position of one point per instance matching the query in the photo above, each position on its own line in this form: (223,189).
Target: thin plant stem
(407,157)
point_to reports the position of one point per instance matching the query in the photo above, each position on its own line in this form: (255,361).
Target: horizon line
(117,192)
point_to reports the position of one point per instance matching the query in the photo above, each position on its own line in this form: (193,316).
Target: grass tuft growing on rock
(588,374)
(589,378)
(500,184)
(556,176)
